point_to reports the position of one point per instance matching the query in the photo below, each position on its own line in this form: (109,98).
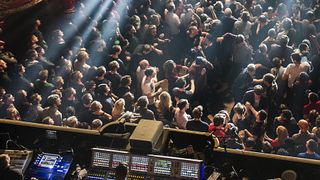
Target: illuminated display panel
(117,158)
(162,167)
(101,159)
(139,163)
(48,161)
(189,170)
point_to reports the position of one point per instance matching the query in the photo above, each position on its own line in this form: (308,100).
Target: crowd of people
(179,62)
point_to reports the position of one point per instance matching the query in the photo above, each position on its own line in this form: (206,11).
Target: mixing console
(139,163)
(153,167)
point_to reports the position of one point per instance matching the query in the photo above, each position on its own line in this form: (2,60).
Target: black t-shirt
(83,113)
(182,94)
(258,129)
(5,80)
(103,81)
(122,91)
(10,174)
(168,114)
(196,125)
(22,81)
(114,78)
(243,124)
(103,117)
(145,113)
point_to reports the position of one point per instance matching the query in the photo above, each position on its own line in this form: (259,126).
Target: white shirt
(181,118)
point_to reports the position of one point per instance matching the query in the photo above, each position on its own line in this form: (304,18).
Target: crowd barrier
(264,165)
(254,164)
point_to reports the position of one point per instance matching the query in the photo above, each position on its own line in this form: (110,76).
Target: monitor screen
(162,167)
(48,161)
(139,163)
(189,170)
(50,134)
(49,166)
(101,159)
(117,158)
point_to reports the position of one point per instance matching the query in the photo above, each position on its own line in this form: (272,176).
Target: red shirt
(276,143)
(308,107)
(217,131)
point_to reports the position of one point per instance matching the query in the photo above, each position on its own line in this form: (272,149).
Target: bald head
(228,12)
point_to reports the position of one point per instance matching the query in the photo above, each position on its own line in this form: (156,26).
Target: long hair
(165,100)
(119,107)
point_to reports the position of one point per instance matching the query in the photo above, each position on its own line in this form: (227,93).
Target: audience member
(142,108)
(5,171)
(181,117)
(312,147)
(118,109)
(165,110)
(96,124)
(197,124)
(303,135)
(54,102)
(97,113)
